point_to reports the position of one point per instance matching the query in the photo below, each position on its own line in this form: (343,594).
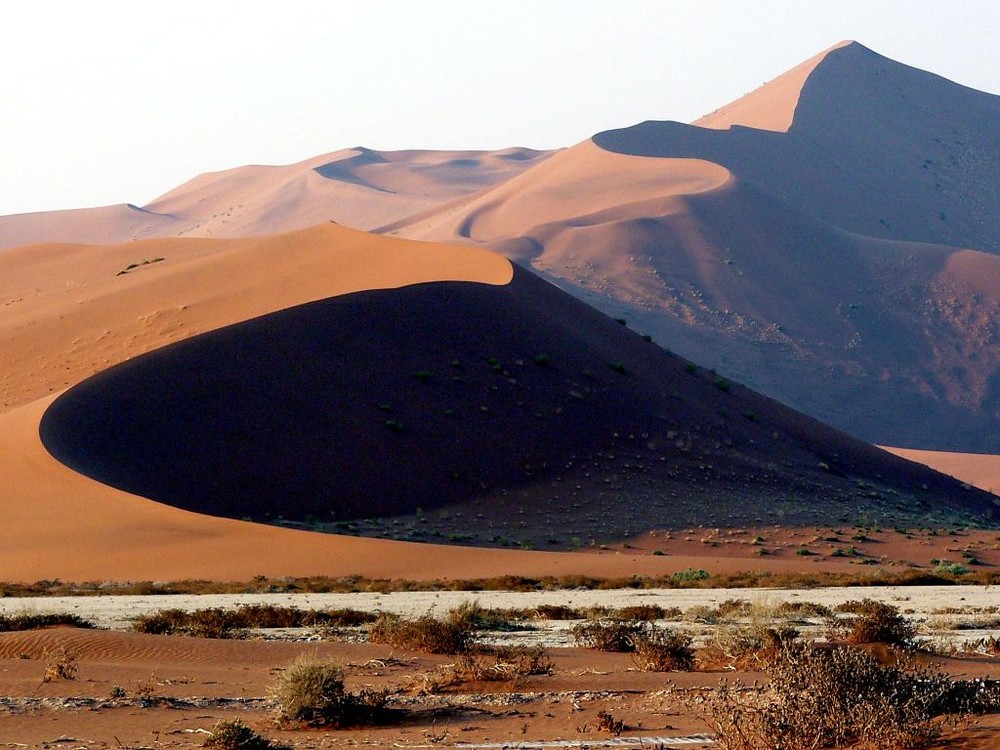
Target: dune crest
(771,106)
(70,312)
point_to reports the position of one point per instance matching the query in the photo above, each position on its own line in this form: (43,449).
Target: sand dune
(978,469)
(770,107)
(358,187)
(841,260)
(69,312)
(875,147)
(635,445)
(872,177)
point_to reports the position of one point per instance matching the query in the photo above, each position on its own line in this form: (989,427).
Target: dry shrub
(485,664)
(990,645)
(504,663)
(606,722)
(663,651)
(802,610)
(312,692)
(236,623)
(556,612)
(837,697)
(235,735)
(609,635)
(426,633)
(873,622)
(202,623)
(61,665)
(36,621)
(642,612)
(476,617)
(747,645)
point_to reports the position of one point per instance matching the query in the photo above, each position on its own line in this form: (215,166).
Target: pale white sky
(112,102)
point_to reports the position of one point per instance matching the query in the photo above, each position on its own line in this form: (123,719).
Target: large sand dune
(341,375)
(829,239)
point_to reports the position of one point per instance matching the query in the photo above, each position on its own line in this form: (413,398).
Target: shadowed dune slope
(437,395)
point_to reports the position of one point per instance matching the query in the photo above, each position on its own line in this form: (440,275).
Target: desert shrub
(61,665)
(235,623)
(426,633)
(663,651)
(503,663)
(874,622)
(312,692)
(644,612)
(606,722)
(688,576)
(36,621)
(747,644)
(470,614)
(203,623)
(235,735)
(802,609)
(609,634)
(826,698)
(556,612)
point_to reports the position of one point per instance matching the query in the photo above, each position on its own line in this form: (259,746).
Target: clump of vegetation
(235,735)
(61,665)
(312,692)
(236,623)
(874,622)
(606,722)
(836,697)
(751,644)
(453,635)
(663,651)
(499,664)
(644,612)
(35,621)
(609,634)
(653,649)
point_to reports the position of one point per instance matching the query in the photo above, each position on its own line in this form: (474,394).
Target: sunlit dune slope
(70,311)
(359,187)
(979,469)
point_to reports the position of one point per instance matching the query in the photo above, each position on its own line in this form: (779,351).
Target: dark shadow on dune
(381,402)
(875,147)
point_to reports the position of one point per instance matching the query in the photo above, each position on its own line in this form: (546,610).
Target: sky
(113,102)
